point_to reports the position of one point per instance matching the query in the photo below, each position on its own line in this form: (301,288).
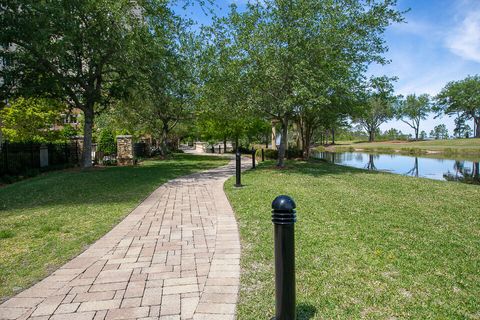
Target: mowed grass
(369,245)
(454,146)
(47,220)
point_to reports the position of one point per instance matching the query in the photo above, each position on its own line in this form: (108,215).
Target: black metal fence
(140,150)
(22,158)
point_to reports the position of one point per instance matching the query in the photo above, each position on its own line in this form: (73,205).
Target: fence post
(76,153)
(32,161)
(6,156)
(66,153)
(253,158)
(238,169)
(284,218)
(263,155)
(44,156)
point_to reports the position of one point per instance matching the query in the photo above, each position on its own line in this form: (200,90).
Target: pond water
(432,168)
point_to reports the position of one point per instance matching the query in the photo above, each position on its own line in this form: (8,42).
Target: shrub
(107,143)
(292,153)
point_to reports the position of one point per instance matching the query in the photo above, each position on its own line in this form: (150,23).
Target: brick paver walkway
(176,256)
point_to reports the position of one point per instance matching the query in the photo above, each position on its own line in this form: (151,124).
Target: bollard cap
(283,203)
(284,210)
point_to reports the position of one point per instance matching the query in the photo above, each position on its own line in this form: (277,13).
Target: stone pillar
(43,156)
(125,151)
(274,135)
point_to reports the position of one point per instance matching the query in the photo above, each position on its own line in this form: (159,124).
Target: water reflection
(463,173)
(438,169)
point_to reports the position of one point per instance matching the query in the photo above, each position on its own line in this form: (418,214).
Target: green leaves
(27,120)
(462,98)
(413,109)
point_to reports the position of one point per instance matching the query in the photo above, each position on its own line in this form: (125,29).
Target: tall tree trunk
(476,121)
(87,137)
(301,127)
(283,143)
(307,142)
(163,139)
(225,144)
(333,135)
(416,133)
(371,135)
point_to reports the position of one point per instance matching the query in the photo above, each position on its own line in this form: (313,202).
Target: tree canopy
(84,53)
(461,98)
(304,57)
(412,110)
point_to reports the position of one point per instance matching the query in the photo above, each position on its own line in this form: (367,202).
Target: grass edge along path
(369,245)
(47,220)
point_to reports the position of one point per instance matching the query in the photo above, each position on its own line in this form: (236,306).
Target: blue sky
(439,42)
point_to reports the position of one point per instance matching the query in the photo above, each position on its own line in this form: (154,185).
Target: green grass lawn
(47,220)
(450,147)
(368,245)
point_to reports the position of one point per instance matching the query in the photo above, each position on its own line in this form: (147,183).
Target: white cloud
(464,40)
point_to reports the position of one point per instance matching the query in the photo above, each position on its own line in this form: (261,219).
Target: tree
(423,135)
(462,130)
(376,106)
(461,98)
(298,52)
(82,52)
(27,120)
(223,107)
(164,97)
(393,134)
(439,132)
(412,110)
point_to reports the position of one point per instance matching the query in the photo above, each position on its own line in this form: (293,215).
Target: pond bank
(451,148)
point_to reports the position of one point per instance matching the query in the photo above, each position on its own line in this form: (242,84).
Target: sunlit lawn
(47,220)
(368,245)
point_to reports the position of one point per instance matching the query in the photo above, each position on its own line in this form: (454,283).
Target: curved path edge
(175,256)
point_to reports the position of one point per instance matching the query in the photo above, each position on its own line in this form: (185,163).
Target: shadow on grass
(305,311)
(314,168)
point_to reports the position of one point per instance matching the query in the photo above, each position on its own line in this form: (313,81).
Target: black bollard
(253,158)
(213,149)
(284,218)
(238,169)
(263,155)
